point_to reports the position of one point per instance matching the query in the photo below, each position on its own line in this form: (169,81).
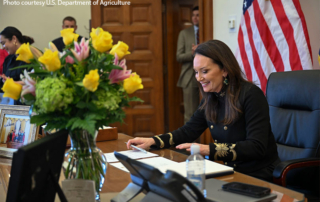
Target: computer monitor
(36,168)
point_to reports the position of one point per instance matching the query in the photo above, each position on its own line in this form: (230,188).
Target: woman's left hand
(204,149)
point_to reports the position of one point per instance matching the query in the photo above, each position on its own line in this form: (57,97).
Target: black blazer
(58,42)
(252,141)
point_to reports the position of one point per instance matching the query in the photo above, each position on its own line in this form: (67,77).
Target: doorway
(151,29)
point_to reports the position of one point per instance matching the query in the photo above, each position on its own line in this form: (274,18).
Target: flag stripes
(272,37)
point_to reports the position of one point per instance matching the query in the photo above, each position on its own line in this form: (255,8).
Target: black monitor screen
(36,169)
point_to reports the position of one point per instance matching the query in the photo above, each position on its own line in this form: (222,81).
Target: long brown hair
(221,55)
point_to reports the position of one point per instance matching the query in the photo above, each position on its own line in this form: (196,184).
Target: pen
(140,149)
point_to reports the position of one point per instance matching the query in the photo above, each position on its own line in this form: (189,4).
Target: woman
(11,39)
(236,112)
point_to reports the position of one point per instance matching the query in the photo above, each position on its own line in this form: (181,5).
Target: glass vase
(85,160)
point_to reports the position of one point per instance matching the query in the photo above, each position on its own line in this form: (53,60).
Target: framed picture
(15,128)
(7,152)
(15,107)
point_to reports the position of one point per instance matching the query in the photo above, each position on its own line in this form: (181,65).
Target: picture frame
(15,128)
(7,152)
(15,107)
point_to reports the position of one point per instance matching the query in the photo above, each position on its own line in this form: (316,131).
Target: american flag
(273,37)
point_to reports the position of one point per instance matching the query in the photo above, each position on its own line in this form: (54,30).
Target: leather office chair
(294,105)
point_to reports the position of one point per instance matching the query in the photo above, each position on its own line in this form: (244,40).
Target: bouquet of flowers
(82,89)
(85,87)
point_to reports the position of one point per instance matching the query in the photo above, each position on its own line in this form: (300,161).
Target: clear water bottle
(196,168)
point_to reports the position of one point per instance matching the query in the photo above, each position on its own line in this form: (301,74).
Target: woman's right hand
(4,78)
(140,142)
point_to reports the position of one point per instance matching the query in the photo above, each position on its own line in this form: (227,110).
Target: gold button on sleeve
(211,126)
(225,128)
(225,163)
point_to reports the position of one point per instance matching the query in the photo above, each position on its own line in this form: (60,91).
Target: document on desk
(133,154)
(155,162)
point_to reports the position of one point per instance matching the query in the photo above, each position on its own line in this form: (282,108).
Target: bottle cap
(195,149)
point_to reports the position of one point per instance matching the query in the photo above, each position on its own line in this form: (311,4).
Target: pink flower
(117,75)
(81,51)
(29,85)
(69,59)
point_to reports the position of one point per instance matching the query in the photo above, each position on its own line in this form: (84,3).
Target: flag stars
(245,4)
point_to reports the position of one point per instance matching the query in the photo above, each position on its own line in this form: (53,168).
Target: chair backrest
(294,105)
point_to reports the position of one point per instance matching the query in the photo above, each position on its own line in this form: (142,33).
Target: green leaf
(95,116)
(42,74)
(136,99)
(29,66)
(88,125)
(80,83)
(37,119)
(104,85)
(72,120)
(29,97)
(81,105)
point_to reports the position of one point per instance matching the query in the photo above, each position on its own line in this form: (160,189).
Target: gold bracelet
(171,139)
(161,142)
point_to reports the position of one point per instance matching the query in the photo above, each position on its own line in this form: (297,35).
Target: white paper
(159,162)
(211,168)
(120,166)
(77,190)
(133,154)
(105,127)
(155,162)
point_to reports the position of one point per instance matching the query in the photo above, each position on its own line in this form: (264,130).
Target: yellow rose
(91,80)
(51,60)
(95,32)
(121,49)
(25,53)
(69,36)
(132,83)
(11,89)
(102,42)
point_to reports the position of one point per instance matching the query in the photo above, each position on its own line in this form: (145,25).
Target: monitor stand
(57,187)
(154,198)
(128,193)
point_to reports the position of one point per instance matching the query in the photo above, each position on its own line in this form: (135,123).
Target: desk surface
(116,180)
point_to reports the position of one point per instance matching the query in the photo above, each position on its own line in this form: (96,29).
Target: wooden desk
(116,180)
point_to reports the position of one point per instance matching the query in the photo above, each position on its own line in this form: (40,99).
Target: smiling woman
(11,40)
(236,112)
(208,74)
